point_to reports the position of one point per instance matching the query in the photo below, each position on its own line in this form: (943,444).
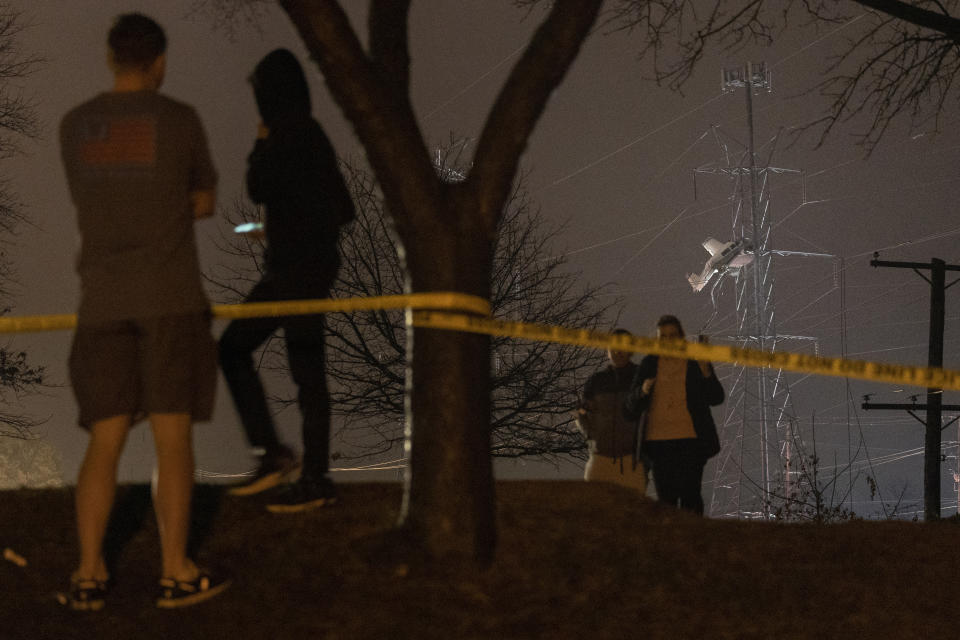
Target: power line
(475,82)
(634,142)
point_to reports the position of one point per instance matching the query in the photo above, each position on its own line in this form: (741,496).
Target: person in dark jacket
(293,172)
(672,398)
(611,437)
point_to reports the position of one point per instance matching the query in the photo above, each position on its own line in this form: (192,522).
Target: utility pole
(934,406)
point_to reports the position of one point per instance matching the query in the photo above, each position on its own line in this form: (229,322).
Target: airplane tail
(696,281)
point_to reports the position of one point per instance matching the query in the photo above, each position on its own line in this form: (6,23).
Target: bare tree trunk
(449,499)
(449,503)
(446,235)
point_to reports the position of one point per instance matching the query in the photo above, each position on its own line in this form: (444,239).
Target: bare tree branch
(382,117)
(230,16)
(521,102)
(534,385)
(900,62)
(18,122)
(916,15)
(388,42)
(890,70)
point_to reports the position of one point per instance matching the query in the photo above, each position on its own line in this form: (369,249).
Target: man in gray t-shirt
(133,159)
(139,174)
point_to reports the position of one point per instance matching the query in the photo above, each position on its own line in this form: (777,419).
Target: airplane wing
(713,246)
(695,281)
(699,282)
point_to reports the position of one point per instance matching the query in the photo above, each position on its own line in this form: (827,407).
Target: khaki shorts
(166,364)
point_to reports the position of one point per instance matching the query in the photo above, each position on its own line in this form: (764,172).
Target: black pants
(304,337)
(677,471)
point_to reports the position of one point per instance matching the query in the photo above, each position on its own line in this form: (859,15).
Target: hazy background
(612,158)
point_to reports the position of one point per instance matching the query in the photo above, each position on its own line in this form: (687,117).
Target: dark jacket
(702,393)
(293,172)
(608,431)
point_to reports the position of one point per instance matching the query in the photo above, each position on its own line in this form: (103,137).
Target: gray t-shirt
(132,160)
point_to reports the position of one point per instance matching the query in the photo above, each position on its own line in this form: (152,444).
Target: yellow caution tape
(441,300)
(26,324)
(799,362)
(454,317)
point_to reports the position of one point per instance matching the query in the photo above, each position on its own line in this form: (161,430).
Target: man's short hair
(136,41)
(621,332)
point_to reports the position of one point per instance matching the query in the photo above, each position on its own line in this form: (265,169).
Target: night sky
(612,159)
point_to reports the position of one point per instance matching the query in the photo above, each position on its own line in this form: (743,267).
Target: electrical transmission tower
(759,429)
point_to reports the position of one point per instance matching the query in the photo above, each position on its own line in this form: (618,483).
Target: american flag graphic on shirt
(126,142)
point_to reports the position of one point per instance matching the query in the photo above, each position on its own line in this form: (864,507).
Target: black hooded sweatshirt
(293,172)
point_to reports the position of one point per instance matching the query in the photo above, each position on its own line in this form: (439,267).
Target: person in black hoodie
(293,172)
(672,398)
(611,436)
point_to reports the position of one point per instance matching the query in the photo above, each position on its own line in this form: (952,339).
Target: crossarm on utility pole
(934,405)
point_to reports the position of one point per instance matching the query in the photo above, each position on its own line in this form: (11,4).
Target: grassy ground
(574,561)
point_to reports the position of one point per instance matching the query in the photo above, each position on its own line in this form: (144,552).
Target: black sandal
(85,595)
(182,593)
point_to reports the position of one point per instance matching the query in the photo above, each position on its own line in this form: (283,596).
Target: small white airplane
(723,256)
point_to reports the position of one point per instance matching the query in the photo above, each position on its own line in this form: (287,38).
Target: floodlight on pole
(755,75)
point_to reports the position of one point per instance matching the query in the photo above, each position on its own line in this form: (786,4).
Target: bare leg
(96,489)
(172,436)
